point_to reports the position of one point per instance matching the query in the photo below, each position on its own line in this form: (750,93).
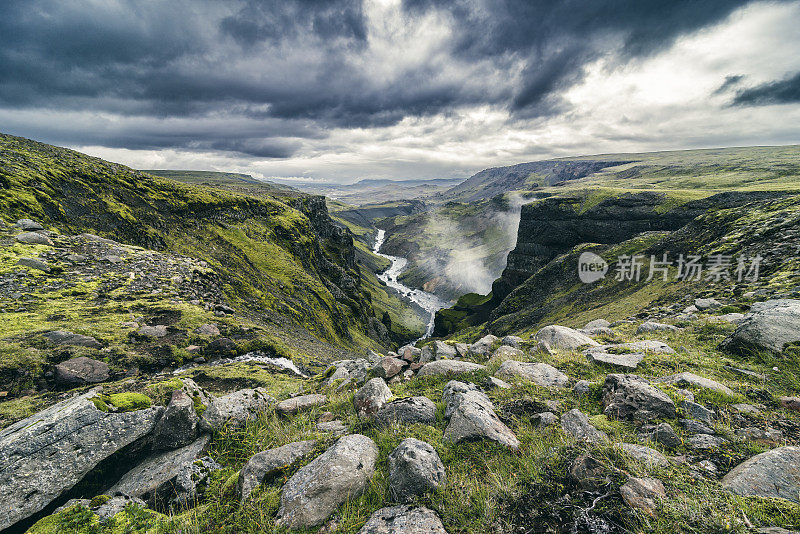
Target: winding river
(427,301)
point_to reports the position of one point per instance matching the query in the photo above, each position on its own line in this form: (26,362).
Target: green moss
(122,402)
(98,500)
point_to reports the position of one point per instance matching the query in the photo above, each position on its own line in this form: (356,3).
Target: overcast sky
(342,90)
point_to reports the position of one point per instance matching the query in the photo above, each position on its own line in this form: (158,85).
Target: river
(427,301)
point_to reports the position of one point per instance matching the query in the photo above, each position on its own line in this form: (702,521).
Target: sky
(342,90)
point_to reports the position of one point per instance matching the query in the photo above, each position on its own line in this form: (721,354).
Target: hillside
(289,275)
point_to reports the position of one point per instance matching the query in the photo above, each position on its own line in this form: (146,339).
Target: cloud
(786,91)
(349,89)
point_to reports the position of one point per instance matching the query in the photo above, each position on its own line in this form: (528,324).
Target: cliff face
(553,226)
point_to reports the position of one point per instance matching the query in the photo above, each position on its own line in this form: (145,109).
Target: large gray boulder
(540,374)
(472,416)
(646,455)
(371,397)
(299,404)
(179,425)
(81,370)
(34,238)
(48,453)
(632,397)
(504,352)
(28,225)
(152,479)
(564,338)
(267,464)
(235,409)
(403,520)
(483,346)
(770,325)
(414,468)
(624,361)
(774,473)
(408,411)
(443,351)
(444,367)
(348,372)
(318,489)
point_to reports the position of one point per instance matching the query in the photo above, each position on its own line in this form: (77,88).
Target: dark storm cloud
(303,63)
(784,91)
(558,38)
(274,20)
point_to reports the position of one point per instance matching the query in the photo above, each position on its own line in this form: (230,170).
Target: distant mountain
(716,169)
(371,191)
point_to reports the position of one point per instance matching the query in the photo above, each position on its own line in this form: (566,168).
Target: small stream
(427,301)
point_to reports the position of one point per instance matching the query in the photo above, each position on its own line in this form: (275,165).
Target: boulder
(443,351)
(597,323)
(266,464)
(403,520)
(504,352)
(388,367)
(541,374)
(315,491)
(407,411)
(34,263)
(642,493)
(646,455)
(155,332)
(707,304)
(471,416)
(414,469)
(652,326)
(624,361)
(299,404)
(770,325)
(28,225)
(734,318)
(576,424)
(647,345)
(494,382)
(790,403)
(179,425)
(483,346)
(544,419)
(695,427)
(690,379)
(34,238)
(588,472)
(371,397)
(348,372)
(444,367)
(208,330)
(564,338)
(81,370)
(632,397)
(235,409)
(512,341)
(661,433)
(697,411)
(774,473)
(48,453)
(152,480)
(62,337)
(426,355)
